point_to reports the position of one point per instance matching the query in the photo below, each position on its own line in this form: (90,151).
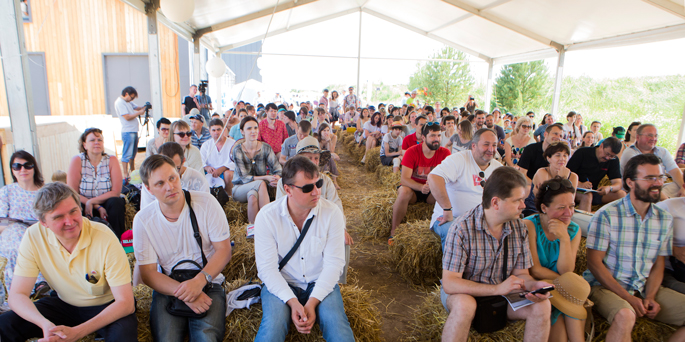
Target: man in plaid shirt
(627,245)
(473,259)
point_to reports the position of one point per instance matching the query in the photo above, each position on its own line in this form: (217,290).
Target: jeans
(128,152)
(330,315)
(441,230)
(168,328)
(15,328)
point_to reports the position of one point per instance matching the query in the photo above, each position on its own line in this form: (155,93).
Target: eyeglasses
(184,134)
(556,185)
(482,176)
(309,187)
(27,165)
(652,179)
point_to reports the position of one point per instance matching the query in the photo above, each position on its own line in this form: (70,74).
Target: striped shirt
(95,180)
(196,140)
(632,244)
(471,249)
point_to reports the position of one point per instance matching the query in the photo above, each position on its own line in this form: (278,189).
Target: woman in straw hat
(554,241)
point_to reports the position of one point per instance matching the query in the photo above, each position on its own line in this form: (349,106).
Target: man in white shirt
(216,157)
(647,136)
(303,290)
(450,122)
(163,235)
(457,183)
(191,179)
(128,113)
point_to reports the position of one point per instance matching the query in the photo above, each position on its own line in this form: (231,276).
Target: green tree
(522,87)
(447,82)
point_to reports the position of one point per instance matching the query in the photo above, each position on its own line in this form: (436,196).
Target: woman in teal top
(554,242)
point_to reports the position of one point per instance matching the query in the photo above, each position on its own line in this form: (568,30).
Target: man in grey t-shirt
(128,112)
(289,148)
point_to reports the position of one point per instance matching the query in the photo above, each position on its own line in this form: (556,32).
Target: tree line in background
(528,86)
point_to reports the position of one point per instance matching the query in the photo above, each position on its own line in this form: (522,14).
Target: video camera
(203,86)
(147,117)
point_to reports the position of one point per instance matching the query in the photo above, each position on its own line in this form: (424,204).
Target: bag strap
(504,262)
(196,229)
(287,257)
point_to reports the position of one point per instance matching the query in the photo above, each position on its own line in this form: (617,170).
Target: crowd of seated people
(504,193)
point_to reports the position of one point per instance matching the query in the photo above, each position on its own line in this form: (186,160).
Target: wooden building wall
(74,36)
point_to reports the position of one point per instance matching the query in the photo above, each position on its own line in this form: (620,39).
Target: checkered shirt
(632,244)
(471,249)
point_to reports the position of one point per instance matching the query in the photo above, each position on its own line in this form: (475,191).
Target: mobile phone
(541,290)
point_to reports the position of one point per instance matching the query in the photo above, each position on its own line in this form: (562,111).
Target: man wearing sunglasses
(302,291)
(646,143)
(309,147)
(417,163)
(457,183)
(591,164)
(627,245)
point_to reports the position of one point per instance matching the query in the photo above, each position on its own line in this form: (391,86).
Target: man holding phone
(627,245)
(486,254)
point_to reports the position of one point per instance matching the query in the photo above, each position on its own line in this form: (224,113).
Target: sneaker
(250,231)
(40,290)
(390,241)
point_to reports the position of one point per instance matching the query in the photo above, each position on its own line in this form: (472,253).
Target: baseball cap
(197,117)
(194,112)
(620,132)
(127,241)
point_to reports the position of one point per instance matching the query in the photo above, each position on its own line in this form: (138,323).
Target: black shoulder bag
(491,311)
(292,251)
(177,307)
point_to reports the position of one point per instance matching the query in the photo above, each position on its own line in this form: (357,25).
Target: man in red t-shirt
(414,138)
(417,163)
(272,131)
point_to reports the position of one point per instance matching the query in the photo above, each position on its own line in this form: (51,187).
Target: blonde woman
(519,139)
(181,134)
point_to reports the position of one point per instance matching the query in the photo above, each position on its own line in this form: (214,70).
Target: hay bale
(430,316)
(242,264)
(243,324)
(143,295)
(3,264)
(129,213)
(373,159)
(236,211)
(387,178)
(416,253)
(377,214)
(581,257)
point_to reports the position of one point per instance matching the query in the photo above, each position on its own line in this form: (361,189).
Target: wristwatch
(448,209)
(208,277)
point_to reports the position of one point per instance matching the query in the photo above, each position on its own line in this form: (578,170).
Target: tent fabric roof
(497,31)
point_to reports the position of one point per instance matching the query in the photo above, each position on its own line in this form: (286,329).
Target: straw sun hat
(570,295)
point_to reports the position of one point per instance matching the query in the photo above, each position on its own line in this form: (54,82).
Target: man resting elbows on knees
(67,248)
(303,289)
(627,244)
(474,258)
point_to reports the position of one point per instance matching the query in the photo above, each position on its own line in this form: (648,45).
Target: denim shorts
(130,149)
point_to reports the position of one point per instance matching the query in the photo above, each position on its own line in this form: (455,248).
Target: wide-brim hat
(570,295)
(311,145)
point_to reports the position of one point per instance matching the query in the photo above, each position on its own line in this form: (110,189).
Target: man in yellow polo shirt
(85,265)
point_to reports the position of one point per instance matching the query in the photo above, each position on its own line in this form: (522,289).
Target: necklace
(172,219)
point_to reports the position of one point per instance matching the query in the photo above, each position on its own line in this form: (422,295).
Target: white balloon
(215,67)
(177,10)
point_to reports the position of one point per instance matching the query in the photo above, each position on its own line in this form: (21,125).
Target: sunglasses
(482,175)
(526,126)
(554,186)
(164,129)
(309,187)
(183,134)
(27,165)
(432,123)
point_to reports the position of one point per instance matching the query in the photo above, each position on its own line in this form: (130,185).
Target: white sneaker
(250,231)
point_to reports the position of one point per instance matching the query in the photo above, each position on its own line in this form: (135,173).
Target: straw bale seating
(416,253)
(377,214)
(373,159)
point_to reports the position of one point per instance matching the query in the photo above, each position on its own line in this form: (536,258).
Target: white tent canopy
(497,31)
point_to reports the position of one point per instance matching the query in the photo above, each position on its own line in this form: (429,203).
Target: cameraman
(204,102)
(128,112)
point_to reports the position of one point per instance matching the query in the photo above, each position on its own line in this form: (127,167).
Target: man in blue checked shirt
(627,243)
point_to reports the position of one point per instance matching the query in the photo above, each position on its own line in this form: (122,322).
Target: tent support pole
(15,64)
(557,83)
(154,62)
(682,129)
(196,61)
(359,51)
(488,87)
